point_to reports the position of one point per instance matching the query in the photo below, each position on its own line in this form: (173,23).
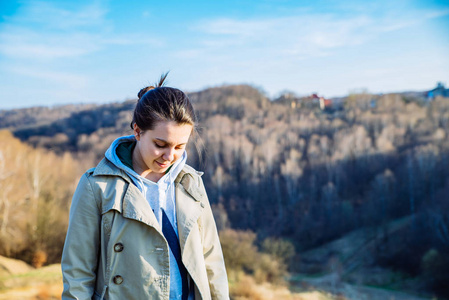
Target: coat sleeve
(81,247)
(213,255)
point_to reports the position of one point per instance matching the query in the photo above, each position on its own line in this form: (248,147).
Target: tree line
(288,169)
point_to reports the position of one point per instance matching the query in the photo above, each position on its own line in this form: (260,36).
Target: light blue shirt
(161,196)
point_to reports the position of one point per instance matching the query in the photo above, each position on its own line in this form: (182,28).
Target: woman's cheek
(180,152)
(157,153)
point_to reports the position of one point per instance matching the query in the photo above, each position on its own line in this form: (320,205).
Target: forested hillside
(288,170)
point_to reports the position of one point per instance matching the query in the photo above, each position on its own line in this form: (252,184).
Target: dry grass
(13,266)
(244,287)
(21,281)
(43,292)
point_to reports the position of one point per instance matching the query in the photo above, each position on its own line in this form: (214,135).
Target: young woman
(141,226)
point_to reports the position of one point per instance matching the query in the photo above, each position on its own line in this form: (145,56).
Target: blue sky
(58,52)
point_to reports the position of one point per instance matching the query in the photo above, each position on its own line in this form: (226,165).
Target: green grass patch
(48,274)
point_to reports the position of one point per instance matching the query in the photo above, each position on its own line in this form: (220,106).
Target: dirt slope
(19,280)
(9,266)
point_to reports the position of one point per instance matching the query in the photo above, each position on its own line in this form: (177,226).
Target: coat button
(118,247)
(118,279)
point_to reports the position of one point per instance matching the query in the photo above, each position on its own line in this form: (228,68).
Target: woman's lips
(164,165)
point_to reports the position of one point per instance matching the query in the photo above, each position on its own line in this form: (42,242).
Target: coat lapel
(136,207)
(188,206)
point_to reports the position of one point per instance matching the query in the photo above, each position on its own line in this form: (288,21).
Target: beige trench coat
(115,248)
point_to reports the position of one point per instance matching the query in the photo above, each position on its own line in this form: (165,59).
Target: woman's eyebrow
(168,143)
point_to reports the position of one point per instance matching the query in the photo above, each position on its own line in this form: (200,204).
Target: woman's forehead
(171,132)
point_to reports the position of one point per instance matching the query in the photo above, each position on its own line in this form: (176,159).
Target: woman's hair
(159,103)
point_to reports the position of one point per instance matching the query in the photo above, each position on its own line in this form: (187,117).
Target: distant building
(440,90)
(317,101)
(311,101)
(325,103)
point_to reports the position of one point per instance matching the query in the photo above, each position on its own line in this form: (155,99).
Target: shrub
(39,259)
(279,248)
(245,288)
(241,254)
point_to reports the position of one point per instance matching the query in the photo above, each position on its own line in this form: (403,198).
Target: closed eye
(163,144)
(160,145)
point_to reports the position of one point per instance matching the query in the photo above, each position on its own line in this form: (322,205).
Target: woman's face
(158,149)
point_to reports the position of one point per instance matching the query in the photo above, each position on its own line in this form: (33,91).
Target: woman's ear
(137,132)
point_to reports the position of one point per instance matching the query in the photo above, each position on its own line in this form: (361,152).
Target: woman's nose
(169,155)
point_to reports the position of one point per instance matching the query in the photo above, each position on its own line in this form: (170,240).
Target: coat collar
(188,191)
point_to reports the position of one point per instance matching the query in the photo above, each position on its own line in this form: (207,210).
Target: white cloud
(308,52)
(53,17)
(131,39)
(300,36)
(65,79)
(43,31)
(393,22)
(24,43)
(436,14)
(282,39)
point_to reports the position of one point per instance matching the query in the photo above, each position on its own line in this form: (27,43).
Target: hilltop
(305,176)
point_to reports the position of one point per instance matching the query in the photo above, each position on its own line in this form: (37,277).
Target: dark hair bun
(144,91)
(149,88)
